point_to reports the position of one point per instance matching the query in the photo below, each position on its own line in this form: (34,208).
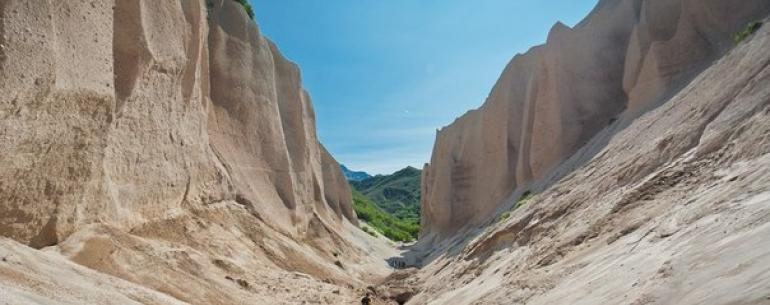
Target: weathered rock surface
(625,58)
(164,152)
(170,144)
(672,207)
(32,277)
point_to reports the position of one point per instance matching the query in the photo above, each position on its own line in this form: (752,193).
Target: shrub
(524,198)
(750,29)
(368,231)
(505,215)
(247,7)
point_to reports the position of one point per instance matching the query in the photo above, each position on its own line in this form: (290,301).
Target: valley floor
(46,277)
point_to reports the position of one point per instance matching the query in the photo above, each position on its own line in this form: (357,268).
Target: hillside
(404,230)
(397,193)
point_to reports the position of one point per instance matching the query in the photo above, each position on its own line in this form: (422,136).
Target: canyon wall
(133,127)
(674,208)
(123,127)
(624,59)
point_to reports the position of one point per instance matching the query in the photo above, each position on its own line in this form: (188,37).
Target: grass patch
(522,201)
(749,30)
(247,7)
(388,225)
(368,231)
(505,215)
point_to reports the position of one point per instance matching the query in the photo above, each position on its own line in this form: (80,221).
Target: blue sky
(385,74)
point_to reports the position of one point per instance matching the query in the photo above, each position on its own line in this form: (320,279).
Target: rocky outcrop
(625,58)
(168,133)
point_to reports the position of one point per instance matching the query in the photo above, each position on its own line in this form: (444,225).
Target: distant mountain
(353,175)
(397,194)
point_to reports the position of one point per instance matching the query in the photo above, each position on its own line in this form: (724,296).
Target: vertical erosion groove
(3,4)
(192,14)
(128,48)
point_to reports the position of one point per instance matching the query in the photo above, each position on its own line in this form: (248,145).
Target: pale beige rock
(262,127)
(56,107)
(625,58)
(32,277)
(170,144)
(164,152)
(672,209)
(336,188)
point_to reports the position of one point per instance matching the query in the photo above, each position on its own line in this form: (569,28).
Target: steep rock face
(626,57)
(262,125)
(127,136)
(673,208)
(337,189)
(55,116)
(169,134)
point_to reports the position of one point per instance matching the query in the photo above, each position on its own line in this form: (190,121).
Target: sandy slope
(30,276)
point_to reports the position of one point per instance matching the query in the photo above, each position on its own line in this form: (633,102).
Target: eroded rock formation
(164,152)
(169,143)
(625,58)
(673,208)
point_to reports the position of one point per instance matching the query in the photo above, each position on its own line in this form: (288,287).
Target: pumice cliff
(165,152)
(170,146)
(642,137)
(625,58)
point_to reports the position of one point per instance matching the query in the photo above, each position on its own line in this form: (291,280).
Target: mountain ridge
(352,175)
(397,193)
